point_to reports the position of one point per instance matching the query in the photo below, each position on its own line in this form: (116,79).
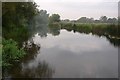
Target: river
(69,55)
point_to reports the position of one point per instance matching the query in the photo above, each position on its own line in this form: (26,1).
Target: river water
(70,55)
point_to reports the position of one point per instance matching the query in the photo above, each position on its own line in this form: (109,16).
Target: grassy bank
(98,28)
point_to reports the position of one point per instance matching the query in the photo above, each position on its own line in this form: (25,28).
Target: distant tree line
(102,19)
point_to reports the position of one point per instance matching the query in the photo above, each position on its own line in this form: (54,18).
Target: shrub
(10,52)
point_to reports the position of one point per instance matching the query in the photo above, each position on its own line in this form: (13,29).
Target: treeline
(102,19)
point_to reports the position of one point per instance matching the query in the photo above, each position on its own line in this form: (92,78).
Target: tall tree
(54,18)
(16,18)
(103,19)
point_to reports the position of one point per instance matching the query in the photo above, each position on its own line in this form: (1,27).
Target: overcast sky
(74,9)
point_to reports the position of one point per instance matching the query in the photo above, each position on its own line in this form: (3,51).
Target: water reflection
(54,29)
(110,30)
(114,41)
(76,55)
(42,28)
(29,68)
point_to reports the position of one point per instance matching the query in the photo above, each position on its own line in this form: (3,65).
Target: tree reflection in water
(42,70)
(28,66)
(54,29)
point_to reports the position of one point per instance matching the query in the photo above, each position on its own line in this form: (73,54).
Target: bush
(10,52)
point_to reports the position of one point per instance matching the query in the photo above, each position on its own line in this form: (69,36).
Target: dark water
(69,55)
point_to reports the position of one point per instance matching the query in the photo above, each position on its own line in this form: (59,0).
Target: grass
(95,28)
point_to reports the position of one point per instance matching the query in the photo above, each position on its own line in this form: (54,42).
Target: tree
(91,20)
(112,20)
(103,19)
(86,20)
(82,20)
(96,21)
(16,19)
(54,18)
(40,23)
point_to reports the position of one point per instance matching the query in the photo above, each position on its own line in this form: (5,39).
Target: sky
(74,9)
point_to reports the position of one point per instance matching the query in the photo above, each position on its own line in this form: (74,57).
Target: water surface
(70,55)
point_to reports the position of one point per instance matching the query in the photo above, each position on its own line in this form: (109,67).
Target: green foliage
(54,29)
(54,18)
(99,29)
(18,34)
(85,20)
(103,19)
(16,17)
(10,52)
